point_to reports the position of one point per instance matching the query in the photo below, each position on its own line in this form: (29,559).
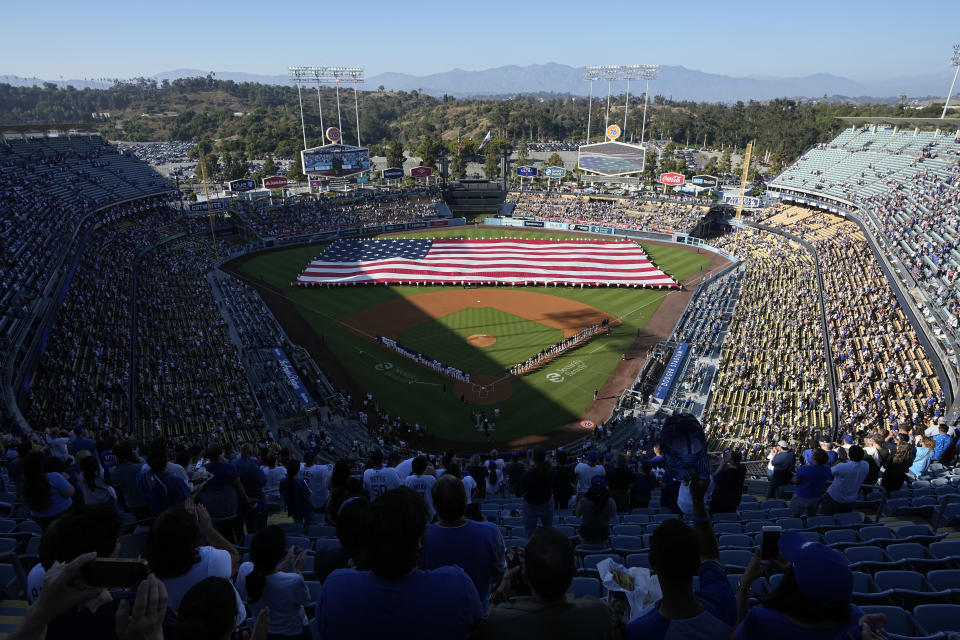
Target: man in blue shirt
(475,547)
(396,598)
(253,480)
(943,441)
(81,441)
(811,481)
(677,553)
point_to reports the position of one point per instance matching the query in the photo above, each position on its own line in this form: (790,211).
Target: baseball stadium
(623,386)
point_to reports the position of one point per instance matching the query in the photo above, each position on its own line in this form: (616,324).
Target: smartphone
(770,542)
(117,573)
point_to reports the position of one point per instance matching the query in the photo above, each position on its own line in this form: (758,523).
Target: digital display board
(335,160)
(611,158)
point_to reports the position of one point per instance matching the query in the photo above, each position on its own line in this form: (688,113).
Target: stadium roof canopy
(40,128)
(940,123)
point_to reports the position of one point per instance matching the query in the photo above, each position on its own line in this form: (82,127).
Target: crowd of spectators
(189,375)
(83,375)
(632,214)
(883,375)
(772,379)
(427,545)
(905,183)
(314,216)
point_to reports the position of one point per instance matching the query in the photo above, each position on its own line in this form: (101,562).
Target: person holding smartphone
(812,601)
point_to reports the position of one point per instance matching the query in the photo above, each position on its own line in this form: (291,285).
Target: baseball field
(479,330)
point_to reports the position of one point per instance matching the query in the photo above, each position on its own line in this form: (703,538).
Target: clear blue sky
(108,38)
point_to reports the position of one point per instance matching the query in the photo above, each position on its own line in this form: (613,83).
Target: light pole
(649,73)
(327,75)
(954,62)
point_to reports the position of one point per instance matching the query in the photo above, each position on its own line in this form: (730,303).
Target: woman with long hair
(47,495)
(895,469)
(595,509)
(923,456)
(265,581)
(95,489)
(209,611)
(183,547)
(494,478)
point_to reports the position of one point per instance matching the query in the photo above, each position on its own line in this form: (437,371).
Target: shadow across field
(546,404)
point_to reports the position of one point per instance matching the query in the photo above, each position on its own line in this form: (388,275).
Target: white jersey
(469,484)
(377,482)
(424,486)
(317,477)
(585,474)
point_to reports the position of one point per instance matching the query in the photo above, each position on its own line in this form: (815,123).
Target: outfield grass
(419,395)
(446,339)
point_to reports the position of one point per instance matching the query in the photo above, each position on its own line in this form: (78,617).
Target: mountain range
(676,82)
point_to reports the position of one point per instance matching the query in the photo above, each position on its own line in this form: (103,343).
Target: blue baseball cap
(848,439)
(592,456)
(821,572)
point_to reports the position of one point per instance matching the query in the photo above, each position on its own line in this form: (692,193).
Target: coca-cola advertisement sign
(671,179)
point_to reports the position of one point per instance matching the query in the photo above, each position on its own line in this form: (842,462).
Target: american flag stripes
(485,261)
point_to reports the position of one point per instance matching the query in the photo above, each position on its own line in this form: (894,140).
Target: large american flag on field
(490,261)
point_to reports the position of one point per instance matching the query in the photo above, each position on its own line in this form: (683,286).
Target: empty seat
(898,621)
(584,586)
(735,540)
(938,617)
(628,530)
(638,560)
(841,537)
(735,560)
(591,561)
(722,528)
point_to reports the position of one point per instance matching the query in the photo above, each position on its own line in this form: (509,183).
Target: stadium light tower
(327,75)
(954,62)
(612,73)
(649,73)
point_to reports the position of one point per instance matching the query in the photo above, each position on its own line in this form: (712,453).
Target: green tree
(491,168)
(395,155)
(554,160)
(458,168)
(523,152)
(296,169)
(725,166)
(269,167)
(711,167)
(429,150)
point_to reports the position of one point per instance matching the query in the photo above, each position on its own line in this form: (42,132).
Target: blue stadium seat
(583,587)
(840,538)
(735,560)
(627,544)
(735,541)
(722,528)
(867,558)
(590,561)
(899,623)
(636,518)
(938,617)
(910,588)
(638,560)
(628,530)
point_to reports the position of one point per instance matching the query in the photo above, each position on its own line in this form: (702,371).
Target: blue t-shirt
(441,603)
(943,441)
(58,502)
(718,601)
(475,547)
(813,479)
(762,623)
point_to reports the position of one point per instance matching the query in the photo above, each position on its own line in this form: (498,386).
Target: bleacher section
(905,183)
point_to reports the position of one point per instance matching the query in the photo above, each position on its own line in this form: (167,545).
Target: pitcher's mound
(481,340)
